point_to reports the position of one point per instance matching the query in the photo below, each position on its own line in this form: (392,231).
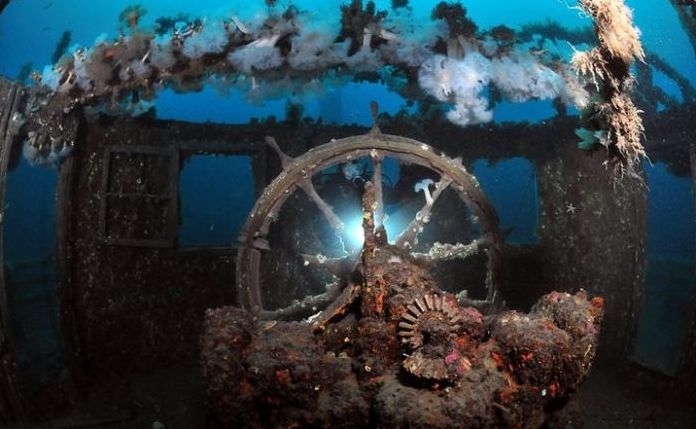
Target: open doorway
(670,286)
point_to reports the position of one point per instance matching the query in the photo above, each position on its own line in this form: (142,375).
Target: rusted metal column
(11,403)
(371,291)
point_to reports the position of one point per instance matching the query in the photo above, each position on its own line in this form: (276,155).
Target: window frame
(172,196)
(177,153)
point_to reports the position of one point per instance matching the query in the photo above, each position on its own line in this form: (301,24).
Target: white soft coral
(470,111)
(521,77)
(445,78)
(460,82)
(313,49)
(410,38)
(251,58)
(212,38)
(313,46)
(50,77)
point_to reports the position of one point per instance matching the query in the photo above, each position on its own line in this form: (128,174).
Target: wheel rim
(297,173)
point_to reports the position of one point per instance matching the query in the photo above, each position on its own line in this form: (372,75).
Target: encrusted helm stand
(384,346)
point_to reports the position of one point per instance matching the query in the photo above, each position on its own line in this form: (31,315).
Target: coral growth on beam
(283,51)
(291,51)
(612,120)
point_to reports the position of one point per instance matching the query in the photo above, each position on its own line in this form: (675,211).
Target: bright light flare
(356,236)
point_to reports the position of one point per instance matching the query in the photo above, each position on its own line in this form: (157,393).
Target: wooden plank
(255,295)
(11,400)
(140,149)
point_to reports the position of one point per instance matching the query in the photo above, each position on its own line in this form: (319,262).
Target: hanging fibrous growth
(612,120)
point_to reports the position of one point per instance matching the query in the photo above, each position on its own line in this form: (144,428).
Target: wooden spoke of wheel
(308,187)
(338,267)
(377,159)
(325,209)
(335,295)
(347,296)
(447,251)
(408,236)
(306,306)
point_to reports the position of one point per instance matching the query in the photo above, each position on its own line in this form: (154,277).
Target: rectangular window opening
(511,186)
(217,192)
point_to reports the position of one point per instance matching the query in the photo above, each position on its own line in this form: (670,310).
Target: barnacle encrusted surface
(350,375)
(423,366)
(578,316)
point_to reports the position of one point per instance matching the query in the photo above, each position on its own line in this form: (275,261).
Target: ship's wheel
(298,172)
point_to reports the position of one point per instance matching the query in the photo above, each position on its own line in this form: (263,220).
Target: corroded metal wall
(593,236)
(10,392)
(134,307)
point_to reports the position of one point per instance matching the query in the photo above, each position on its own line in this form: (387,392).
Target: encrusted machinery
(387,346)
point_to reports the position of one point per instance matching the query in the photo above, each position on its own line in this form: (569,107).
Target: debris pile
(395,351)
